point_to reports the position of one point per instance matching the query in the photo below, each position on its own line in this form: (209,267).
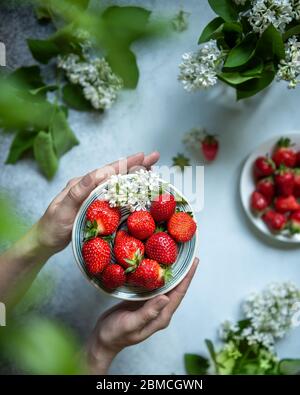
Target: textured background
(234,260)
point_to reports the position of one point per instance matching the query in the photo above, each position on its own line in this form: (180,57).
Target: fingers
(178,293)
(147,313)
(175,297)
(151,159)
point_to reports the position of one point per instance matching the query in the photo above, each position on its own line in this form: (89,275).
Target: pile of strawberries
(144,252)
(278,188)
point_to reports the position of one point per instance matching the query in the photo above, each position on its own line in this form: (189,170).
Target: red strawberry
(284,181)
(297,183)
(298,159)
(113,276)
(162,207)
(275,221)
(181,227)
(284,154)
(294,222)
(141,224)
(120,235)
(128,250)
(284,204)
(266,187)
(101,219)
(149,275)
(210,147)
(162,248)
(263,167)
(96,255)
(258,202)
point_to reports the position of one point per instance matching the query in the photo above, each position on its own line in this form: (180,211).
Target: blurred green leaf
(195,364)
(226,9)
(10,223)
(123,63)
(210,30)
(293,31)
(242,53)
(212,353)
(62,136)
(251,88)
(22,142)
(234,78)
(289,366)
(42,346)
(270,44)
(73,97)
(27,77)
(42,50)
(45,155)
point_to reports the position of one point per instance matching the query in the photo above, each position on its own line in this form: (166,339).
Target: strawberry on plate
(274,220)
(285,204)
(284,154)
(297,182)
(294,222)
(149,275)
(162,248)
(96,254)
(163,207)
(128,249)
(181,227)
(113,276)
(264,167)
(284,181)
(102,220)
(266,187)
(141,224)
(210,147)
(258,202)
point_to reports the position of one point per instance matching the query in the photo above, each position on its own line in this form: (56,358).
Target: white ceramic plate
(186,251)
(247,186)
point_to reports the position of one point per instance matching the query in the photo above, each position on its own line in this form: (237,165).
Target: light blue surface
(234,260)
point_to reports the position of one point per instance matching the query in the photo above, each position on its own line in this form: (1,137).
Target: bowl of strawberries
(270,188)
(135,236)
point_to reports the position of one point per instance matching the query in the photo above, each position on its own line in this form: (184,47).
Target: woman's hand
(129,323)
(55,227)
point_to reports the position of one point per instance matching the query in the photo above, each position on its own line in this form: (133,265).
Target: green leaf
(234,78)
(195,364)
(41,91)
(225,9)
(252,87)
(289,366)
(123,63)
(211,349)
(42,50)
(270,44)
(62,136)
(43,13)
(293,31)
(254,68)
(44,154)
(124,24)
(74,98)
(210,29)
(27,77)
(22,142)
(242,53)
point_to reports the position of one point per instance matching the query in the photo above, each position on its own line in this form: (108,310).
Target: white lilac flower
(296,9)
(193,137)
(227,329)
(289,68)
(270,313)
(99,84)
(134,191)
(266,12)
(199,69)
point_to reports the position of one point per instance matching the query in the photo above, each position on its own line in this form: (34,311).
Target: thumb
(148,312)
